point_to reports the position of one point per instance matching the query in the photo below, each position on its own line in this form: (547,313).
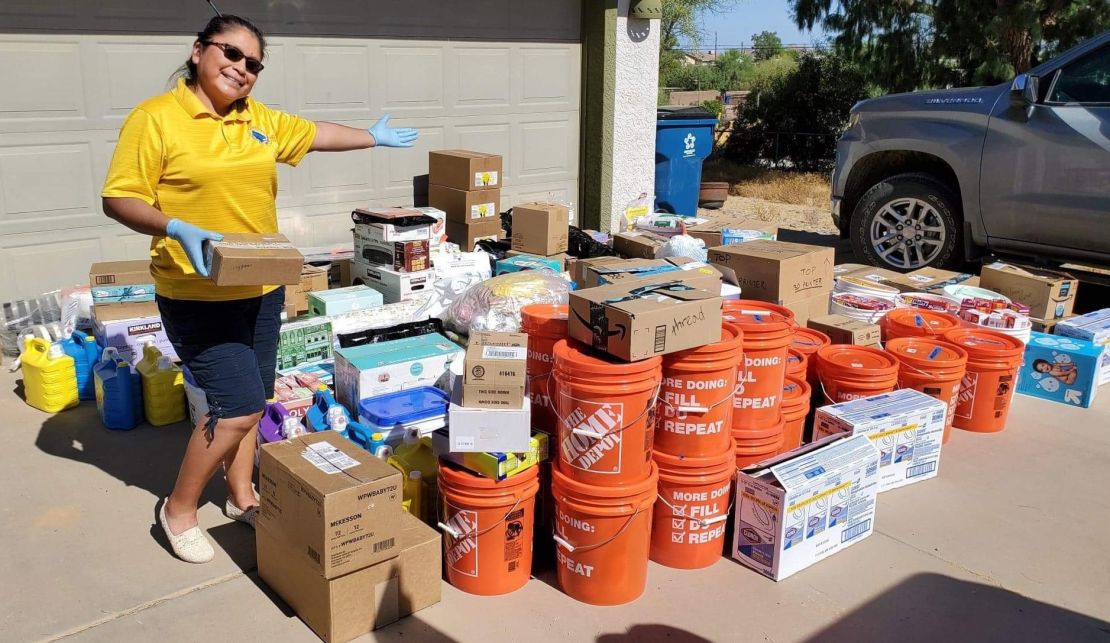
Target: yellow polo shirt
(215,173)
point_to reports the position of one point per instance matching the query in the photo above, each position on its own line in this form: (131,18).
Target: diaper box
(1061,369)
(1093,327)
(804,506)
(906,426)
(375,369)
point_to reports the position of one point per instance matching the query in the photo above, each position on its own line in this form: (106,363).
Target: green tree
(904,45)
(680,21)
(733,70)
(766,45)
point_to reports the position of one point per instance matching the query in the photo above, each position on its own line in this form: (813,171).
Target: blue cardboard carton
(1060,369)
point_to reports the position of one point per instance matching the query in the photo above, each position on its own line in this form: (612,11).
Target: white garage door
(503,78)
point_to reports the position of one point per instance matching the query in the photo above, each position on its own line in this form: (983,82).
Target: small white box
(906,426)
(490,430)
(805,505)
(393,285)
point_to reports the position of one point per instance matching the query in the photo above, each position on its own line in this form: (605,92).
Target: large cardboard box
(121,281)
(541,228)
(242,259)
(638,244)
(348,606)
(599,273)
(376,369)
(466,206)
(776,271)
(334,505)
(128,327)
(845,330)
(805,505)
(468,234)
(493,430)
(647,317)
(394,285)
(1050,294)
(1061,369)
(906,426)
(464,170)
(494,377)
(727,231)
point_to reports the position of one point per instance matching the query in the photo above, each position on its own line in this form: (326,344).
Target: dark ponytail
(215,27)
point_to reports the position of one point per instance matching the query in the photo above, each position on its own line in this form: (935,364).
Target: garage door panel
(547,149)
(399,166)
(34,266)
(43,80)
(131,69)
(550,77)
(560,191)
(331,175)
(120,244)
(494,138)
(270,86)
(482,77)
(46,187)
(413,78)
(333,81)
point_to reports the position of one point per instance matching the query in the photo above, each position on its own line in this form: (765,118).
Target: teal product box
(122,294)
(343,300)
(1061,369)
(1093,327)
(304,341)
(527,262)
(366,371)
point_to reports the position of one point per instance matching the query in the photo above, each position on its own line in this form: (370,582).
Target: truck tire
(906,222)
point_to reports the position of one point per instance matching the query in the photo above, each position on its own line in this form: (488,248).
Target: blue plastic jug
(85,352)
(322,402)
(119,392)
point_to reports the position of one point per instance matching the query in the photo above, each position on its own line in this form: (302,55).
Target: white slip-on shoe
(191,545)
(242,515)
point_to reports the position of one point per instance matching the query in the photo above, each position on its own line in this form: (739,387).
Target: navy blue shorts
(230,347)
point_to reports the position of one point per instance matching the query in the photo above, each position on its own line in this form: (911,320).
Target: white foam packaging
(805,505)
(1093,327)
(906,426)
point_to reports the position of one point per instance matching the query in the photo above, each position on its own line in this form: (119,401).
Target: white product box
(906,426)
(393,285)
(805,505)
(1093,327)
(439,228)
(492,430)
(388,233)
(375,369)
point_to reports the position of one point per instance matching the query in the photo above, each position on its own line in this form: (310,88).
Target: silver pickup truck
(937,178)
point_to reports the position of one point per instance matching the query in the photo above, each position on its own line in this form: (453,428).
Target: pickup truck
(940,178)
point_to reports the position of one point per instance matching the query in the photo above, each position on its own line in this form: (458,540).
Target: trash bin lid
(683,112)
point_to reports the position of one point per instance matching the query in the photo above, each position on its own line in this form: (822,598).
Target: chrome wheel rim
(907,233)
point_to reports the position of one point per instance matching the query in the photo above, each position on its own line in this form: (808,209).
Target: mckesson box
(1093,327)
(376,369)
(906,426)
(1061,369)
(805,505)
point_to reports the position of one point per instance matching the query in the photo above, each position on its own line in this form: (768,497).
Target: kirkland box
(494,370)
(464,170)
(242,259)
(335,505)
(1093,327)
(1050,294)
(113,282)
(776,271)
(304,341)
(464,206)
(906,426)
(395,286)
(343,300)
(128,327)
(376,369)
(488,429)
(1061,369)
(805,505)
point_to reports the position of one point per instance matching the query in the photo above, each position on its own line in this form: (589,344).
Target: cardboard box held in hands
(776,271)
(541,228)
(494,377)
(1050,294)
(642,318)
(243,259)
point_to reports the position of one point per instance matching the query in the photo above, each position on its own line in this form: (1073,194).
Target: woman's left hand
(386,136)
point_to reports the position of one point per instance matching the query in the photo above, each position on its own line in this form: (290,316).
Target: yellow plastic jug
(418,490)
(163,387)
(49,376)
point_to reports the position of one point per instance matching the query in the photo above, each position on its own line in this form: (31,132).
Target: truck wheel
(906,222)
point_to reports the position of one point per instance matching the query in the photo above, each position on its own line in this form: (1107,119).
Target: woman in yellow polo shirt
(191,164)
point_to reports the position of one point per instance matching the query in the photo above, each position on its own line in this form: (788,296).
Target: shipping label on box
(1061,369)
(395,286)
(389,225)
(494,430)
(806,505)
(242,259)
(1050,294)
(121,281)
(494,377)
(1095,328)
(845,330)
(375,369)
(463,206)
(541,228)
(303,342)
(906,427)
(776,271)
(464,170)
(638,244)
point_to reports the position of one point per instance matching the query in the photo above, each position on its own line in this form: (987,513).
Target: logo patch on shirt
(260,137)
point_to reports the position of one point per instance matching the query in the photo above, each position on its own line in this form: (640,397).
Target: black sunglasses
(234,54)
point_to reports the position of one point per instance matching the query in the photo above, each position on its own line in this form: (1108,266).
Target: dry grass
(795,188)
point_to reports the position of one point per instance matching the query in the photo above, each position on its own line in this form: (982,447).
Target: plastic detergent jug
(49,377)
(271,422)
(419,492)
(118,392)
(322,402)
(85,352)
(291,427)
(163,387)
(337,420)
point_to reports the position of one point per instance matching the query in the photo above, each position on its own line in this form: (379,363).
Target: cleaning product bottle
(337,420)
(163,387)
(317,416)
(49,376)
(271,422)
(416,454)
(291,427)
(85,352)
(115,392)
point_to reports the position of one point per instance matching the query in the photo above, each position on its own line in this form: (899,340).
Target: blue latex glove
(192,241)
(386,136)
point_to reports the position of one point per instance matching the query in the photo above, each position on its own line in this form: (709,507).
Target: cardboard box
(520,262)
(464,206)
(927,279)
(468,234)
(728,231)
(375,369)
(776,271)
(351,605)
(304,341)
(332,503)
(1050,294)
(613,271)
(906,426)
(1095,328)
(242,259)
(845,330)
(805,505)
(646,317)
(541,228)
(395,286)
(313,279)
(121,281)
(388,225)
(1061,369)
(496,465)
(127,327)
(404,256)
(496,430)
(494,376)
(339,274)
(804,309)
(464,170)
(638,244)
(1047,325)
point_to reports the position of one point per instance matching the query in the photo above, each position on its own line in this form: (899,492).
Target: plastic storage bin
(422,409)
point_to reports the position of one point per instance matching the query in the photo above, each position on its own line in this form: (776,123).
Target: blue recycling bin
(683,139)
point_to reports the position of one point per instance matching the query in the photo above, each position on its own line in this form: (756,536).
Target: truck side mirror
(1023,94)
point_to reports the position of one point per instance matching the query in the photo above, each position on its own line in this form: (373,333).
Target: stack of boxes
(490,411)
(313,279)
(124,310)
(467,187)
(393,252)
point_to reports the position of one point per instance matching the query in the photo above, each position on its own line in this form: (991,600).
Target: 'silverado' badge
(260,137)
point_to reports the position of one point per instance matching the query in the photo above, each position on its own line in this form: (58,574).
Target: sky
(736,26)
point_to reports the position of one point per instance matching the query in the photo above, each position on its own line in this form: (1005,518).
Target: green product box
(303,341)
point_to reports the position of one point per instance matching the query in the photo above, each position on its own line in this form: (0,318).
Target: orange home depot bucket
(602,537)
(934,367)
(606,411)
(916,322)
(544,324)
(850,372)
(754,446)
(993,360)
(809,341)
(795,408)
(688,527)
(487,525)
(796,362)
(695,402)
(767,333)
